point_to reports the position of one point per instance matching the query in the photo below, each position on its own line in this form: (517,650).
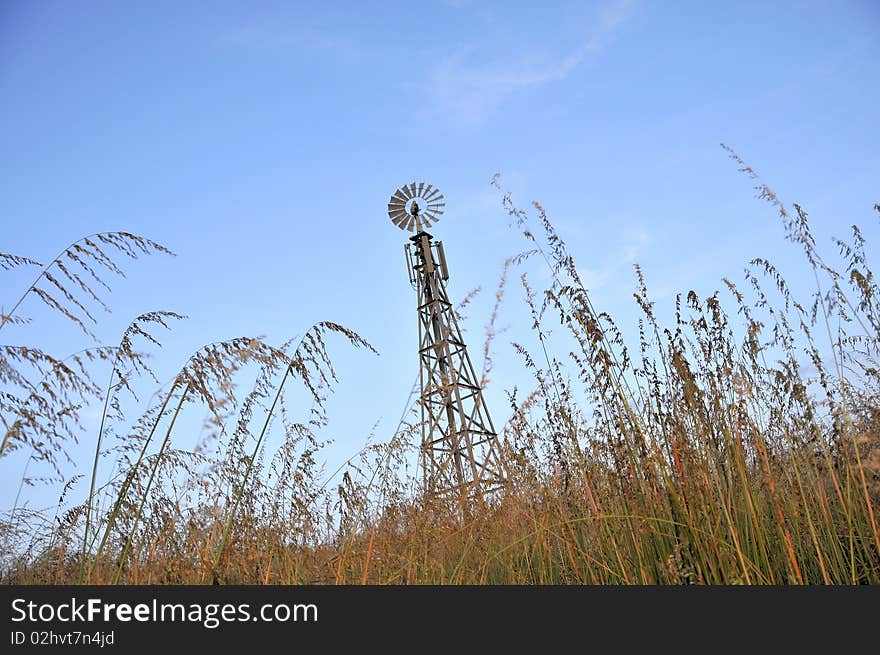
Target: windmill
(459,449)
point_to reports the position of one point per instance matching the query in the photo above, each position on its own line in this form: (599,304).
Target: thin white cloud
(282,36)
(636,240)
(594,279)
(469,90)
(627,253)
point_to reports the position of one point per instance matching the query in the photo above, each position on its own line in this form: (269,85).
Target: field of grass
(739,444)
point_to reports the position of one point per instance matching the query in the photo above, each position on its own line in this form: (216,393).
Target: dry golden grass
(703,454)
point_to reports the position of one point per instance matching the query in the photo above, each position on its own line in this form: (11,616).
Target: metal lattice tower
(459,451)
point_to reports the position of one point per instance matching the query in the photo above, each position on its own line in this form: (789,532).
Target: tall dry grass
(737,444)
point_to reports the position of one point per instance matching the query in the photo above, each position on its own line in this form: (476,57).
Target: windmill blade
(412,188)
(421,187)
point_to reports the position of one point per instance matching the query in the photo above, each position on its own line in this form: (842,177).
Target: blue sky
(260,141)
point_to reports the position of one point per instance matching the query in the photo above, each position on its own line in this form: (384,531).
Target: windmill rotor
(416,206)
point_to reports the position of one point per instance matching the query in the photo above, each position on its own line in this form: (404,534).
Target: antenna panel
(441,255)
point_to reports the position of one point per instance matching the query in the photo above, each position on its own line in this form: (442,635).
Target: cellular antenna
(459,451)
